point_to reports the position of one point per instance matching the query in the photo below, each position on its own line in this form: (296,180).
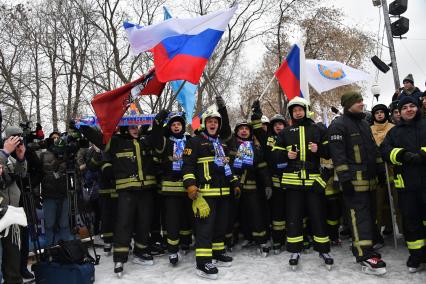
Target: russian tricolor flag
(291,74)
(181,47)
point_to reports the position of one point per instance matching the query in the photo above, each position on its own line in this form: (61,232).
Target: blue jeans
(56,221)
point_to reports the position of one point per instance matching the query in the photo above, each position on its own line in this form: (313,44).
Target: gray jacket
(12,170)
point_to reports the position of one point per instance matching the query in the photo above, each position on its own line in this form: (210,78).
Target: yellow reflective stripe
(206,171)
(361,182)
(321,182)
(249,186)
(121,249)
(185,232)
(303,174)
(218,246)
(295,239)
(106,165)
(172,183)
(205,159)
(114,195)
(357,154)
(106,191)
(292,181)
(173,242)
(141,246)
(278,225)
(358,175)
(341,168)
(188,176)
(172,189)
(106,235)
(275,148)
(203,252)
(258,234)
(333,222)
(290,175)
(423,149)
(355,231)
(138,158)
(325,142)
(257,125)
(424,223)
(393,154)
(124,154)
(418,244)
(321,239)
(302,143)
(262,165)
(364,243)
(399,181)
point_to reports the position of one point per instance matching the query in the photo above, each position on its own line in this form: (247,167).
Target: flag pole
(266,88)
(175,95)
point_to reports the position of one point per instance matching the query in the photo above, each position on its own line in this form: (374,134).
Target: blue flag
(186,96)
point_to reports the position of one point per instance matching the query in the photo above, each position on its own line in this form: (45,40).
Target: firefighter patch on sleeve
(187,151)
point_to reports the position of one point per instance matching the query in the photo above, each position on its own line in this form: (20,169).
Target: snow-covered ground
(248,267)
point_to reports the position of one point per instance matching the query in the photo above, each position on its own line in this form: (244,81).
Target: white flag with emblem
(324,75)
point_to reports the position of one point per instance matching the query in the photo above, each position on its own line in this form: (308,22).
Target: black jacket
(404,137)
(305,169)
(200,169)
(54,179)
(354,151)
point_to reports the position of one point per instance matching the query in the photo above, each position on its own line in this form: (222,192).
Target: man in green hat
(352,149)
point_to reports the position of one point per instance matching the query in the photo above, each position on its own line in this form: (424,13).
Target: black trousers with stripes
(178,218)
(134,217)
(298,203)
(108,215)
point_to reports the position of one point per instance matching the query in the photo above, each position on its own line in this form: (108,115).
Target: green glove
(200,207)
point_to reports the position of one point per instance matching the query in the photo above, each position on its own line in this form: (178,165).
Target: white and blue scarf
(178,148)
(219,155)
(245,155)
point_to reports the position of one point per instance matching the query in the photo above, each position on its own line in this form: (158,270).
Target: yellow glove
(200,207)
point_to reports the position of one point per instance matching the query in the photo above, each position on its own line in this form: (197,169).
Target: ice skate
(119,269)
(414,265)
(208,270)
(373,265)
(222,260)
(174,259)
(107,249)
(264,250)
(328,260)
(144,259)
(294,261)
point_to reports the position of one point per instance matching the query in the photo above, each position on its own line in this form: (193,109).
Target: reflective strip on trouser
(253,216)
(211,230)
(299,203)
(108,208)
(361,206)
(278,216)
(276,182)
(134,216)
(278,225)
(413,209)
(178,218)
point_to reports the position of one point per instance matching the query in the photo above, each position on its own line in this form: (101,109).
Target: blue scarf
(244,155)
(219,155)
(178,147)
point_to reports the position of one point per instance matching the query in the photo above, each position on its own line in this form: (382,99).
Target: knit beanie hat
(406,100)
(13,130)
(350,98)
(409,78)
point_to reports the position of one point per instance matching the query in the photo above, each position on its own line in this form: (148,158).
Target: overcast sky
(410,52)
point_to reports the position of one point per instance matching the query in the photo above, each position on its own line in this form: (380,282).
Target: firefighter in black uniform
(405,147)
(135,183)
(255,183)
(170,143)
(267,140)
(209,181)
(302,145)
(353,151)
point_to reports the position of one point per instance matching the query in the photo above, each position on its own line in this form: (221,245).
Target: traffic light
(402,25)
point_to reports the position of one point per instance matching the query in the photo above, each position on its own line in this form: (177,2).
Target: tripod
(74,209)
(30,210)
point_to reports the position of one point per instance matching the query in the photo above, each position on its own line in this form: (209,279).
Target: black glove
(412,158)
(220,102)
(161,116)
(256,111)
(71,124)
(348,188)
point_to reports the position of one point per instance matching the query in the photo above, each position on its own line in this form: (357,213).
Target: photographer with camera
(12,160)
(54,190)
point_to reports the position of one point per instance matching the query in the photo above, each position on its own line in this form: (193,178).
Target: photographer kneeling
(13,164)
(54,190)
